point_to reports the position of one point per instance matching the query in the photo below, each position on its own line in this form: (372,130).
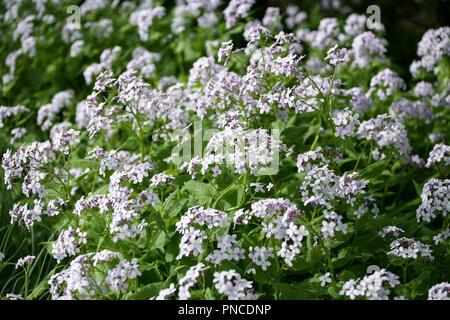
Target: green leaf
(172,205)
(374,169)
(300,264)
(102,190)
(420,285)
(418,188)
(158,240)
(204,193)
(159,221)
(233,198)
(344,257)
(348,147)
(41,287)
(147,292)
(292,134)
(80,163)
(298,291)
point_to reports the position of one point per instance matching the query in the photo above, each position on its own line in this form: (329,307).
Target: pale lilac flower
(435,199)
(441,237)
(25,260)
(366,47)
(76,48)
(440,153)
(17,133)
(233,286)
(439,291)
(373,287)
(64,141)
(160,179)
(409,248)
(236,9)
(190,280)
(386,83)
(165,293)
(260,256)
(346,123)
(390,229)
(324,279)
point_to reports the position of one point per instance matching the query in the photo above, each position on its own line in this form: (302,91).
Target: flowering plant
(196,152)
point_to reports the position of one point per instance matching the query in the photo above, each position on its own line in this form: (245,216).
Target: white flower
(326,278)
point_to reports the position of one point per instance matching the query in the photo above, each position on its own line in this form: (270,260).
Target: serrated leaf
(172,205)
(204,193)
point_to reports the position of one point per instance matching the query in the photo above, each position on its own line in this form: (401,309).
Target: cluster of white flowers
(160,179)
(386,133)
(335,56)
(366,48)
(190,280)
(359,100)
(405,109)
(332,223)
(325,36)
(236,9)
(47,113)
(143,18)
(143,62)
(442,236)
(440,152)
(439,291)
(17,133)
(435,199)
(409,248)
(228,250)
(390,229)
(68,243)
(386,83)
(346,122)
(321,186)
(109,160)
(374,287)
(277,219)
(63,141)
(260,256)
(93,275)
(234,286)
(244,150)
(189,224)
(6,112)
(423,89)
(433,47)
(225,51)
(27,164)
(126,208)
(294,17)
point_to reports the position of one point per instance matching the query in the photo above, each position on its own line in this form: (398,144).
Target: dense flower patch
(196,152)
